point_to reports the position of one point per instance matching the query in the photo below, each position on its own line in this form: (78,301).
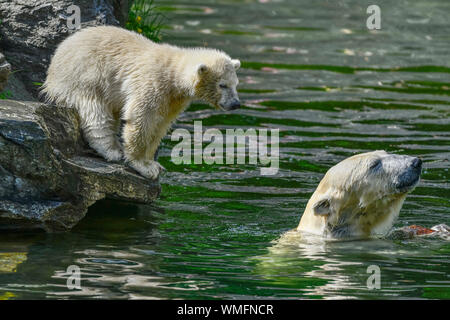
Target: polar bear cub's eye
(223,86)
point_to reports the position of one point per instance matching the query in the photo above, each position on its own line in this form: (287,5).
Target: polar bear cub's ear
(202,68)
(322,207)
(236,63)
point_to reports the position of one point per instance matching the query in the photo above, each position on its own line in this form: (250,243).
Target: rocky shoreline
(48,175)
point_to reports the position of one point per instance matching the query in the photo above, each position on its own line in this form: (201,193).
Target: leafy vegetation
(6,95)
(144,18)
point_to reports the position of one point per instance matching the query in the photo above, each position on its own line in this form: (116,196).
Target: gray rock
(16,90)
(31,30)
(121,9)
(5,69)
(48,176)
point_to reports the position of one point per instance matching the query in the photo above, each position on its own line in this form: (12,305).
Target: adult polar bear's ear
(236,63)
(322,207)
(202,68)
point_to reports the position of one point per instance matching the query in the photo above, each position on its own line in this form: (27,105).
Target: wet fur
(355,200)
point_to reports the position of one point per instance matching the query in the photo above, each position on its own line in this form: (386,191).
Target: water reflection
(333,88)
(340,268)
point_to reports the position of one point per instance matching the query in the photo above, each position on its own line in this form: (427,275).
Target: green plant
(6,95)
(144,18)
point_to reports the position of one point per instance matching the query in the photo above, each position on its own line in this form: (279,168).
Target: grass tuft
(144,18)
(7,94)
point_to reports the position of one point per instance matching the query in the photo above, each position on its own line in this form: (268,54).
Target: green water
(333,88)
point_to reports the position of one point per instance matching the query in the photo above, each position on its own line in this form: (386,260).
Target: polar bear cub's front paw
(114,155)
(147,168)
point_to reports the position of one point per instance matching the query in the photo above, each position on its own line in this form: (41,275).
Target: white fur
(353,201)
(108,73)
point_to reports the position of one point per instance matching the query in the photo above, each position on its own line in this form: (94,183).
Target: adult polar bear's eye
(375,165)
(223,86)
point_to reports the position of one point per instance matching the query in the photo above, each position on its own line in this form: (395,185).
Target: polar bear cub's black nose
(235,104)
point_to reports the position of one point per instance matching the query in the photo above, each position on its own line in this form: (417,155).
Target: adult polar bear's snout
(405,171)
(361,196)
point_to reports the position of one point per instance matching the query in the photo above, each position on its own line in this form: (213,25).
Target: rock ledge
(49,177)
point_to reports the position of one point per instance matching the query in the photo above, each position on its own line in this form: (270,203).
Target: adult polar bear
(108,73)
(361,196)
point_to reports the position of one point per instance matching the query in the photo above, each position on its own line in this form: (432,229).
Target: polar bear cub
(110,74)
(361,196)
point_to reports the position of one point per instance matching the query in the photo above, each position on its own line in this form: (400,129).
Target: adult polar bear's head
(361,196)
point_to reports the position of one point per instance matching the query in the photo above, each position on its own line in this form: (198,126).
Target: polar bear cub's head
(361,196)
(217,80)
